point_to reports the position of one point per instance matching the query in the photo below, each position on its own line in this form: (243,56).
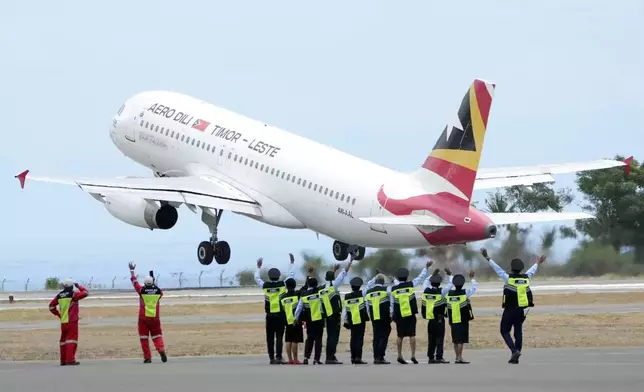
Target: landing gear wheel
(222,252)
(361,253)
(205,253)
(340,251)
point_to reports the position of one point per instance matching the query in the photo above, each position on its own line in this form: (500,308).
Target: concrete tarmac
(570,370)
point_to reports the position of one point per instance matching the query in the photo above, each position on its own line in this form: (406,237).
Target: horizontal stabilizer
(508,218)
(409,220)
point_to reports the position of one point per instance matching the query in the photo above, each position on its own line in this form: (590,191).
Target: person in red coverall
(149,321)
(67,300)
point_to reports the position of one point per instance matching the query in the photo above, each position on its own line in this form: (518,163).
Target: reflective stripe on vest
(150,301)
(312,302)
(272,295)
(456,303)
(65,304)
(326,294)
(430,300)
(290,304)
(521,286)
(403,297)
(374,299)
(354,305)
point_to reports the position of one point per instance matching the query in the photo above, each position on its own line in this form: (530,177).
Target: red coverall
(68,303)
(149,320)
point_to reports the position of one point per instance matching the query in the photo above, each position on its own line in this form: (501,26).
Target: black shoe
(72,363)
(332,362)
(431,360)
(317,362)
(164,357)
(274,362)
(441,361)
(147,361)
(281,361)
(413,359)
(359,362)
(514,359)
(305,361)
(402,361)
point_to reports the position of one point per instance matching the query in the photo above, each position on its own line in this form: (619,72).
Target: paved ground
(260,317)
(550,370)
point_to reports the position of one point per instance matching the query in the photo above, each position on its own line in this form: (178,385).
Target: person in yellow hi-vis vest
(274,291)
(67,300)
(459,313)
(403,296)
(433,310)
(517,296)
(294,333)
(355,318)
(149,316)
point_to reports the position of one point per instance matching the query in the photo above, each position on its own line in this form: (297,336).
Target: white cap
(148,281)
(68,282)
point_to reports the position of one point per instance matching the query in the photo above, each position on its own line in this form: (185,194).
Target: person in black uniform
(403,296)
(294,331)
(310,310)
(433,310)
(517,296)
(380,310)
(355,319)
(274,291)
(331,299)
(459,312)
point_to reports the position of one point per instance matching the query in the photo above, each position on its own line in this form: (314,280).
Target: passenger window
(251,163)
(304,183)
(187,139)
(299,181)
(282,175)
(182,137)
(277,173)
(337,195)
(310,185)
(230,154)
(342,198)
(266,170)
(203,145)
(235,159)
(315,187)
(198,143)
(288,177)
(246,161)
(221,153)
(147,124)
(331,194)
(141,123)
(262,169)
(193,141)
(326,191)
(293,181)
(354,201)
(256,165)
(272,171)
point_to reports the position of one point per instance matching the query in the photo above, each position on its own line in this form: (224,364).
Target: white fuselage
(318,187)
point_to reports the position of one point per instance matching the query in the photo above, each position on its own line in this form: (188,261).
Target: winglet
(628,161)
(22,177)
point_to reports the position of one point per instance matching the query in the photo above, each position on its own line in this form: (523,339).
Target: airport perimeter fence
(173,280)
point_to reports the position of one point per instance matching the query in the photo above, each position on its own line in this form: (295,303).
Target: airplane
(212,160)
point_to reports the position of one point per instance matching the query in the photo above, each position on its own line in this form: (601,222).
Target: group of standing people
(317,307)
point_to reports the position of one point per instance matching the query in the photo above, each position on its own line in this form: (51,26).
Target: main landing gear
(220,250)
(341,251)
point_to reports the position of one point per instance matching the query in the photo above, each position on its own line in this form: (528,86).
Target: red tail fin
(22,177)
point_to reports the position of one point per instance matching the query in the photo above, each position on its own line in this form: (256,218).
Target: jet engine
(141,213)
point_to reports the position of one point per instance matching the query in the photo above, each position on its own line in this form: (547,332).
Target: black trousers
(381,331)
(356,341)
(333,326)
(435,337)
(275,325)
(512,318)
(314,332)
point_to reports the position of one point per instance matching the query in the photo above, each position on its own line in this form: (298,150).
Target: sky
(378,79)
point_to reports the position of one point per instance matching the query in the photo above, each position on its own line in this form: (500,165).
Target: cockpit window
(120,110)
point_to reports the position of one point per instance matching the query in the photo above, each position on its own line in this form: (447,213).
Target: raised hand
(259,262)
(448,272)
(484,253)
(471,274)
(541,259)
(429,263)
(290,255)
(436,271)
(132,266)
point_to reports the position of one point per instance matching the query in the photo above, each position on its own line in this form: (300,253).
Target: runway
(571,370)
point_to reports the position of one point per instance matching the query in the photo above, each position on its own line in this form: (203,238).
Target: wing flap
(203,191)
(507,218)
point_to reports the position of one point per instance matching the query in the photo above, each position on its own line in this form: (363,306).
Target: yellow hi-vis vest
(327,294)
(354,306)
(374,298)
(150,297)
(518,287)
(402,297)
(312,302)
(65,304)
(290,304)
(429,300)
(272,295)
(456,303)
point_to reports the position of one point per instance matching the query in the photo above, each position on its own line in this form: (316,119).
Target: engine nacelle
(141,213)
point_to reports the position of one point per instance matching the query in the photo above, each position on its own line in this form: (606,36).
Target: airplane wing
(528,175)
(206,192)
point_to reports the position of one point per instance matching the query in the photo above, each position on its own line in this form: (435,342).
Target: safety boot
(440,361)
(147,361)
(164,357)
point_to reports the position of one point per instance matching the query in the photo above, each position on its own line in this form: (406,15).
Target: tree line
(612,243)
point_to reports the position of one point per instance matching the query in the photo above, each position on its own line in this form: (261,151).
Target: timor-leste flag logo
(200,124)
